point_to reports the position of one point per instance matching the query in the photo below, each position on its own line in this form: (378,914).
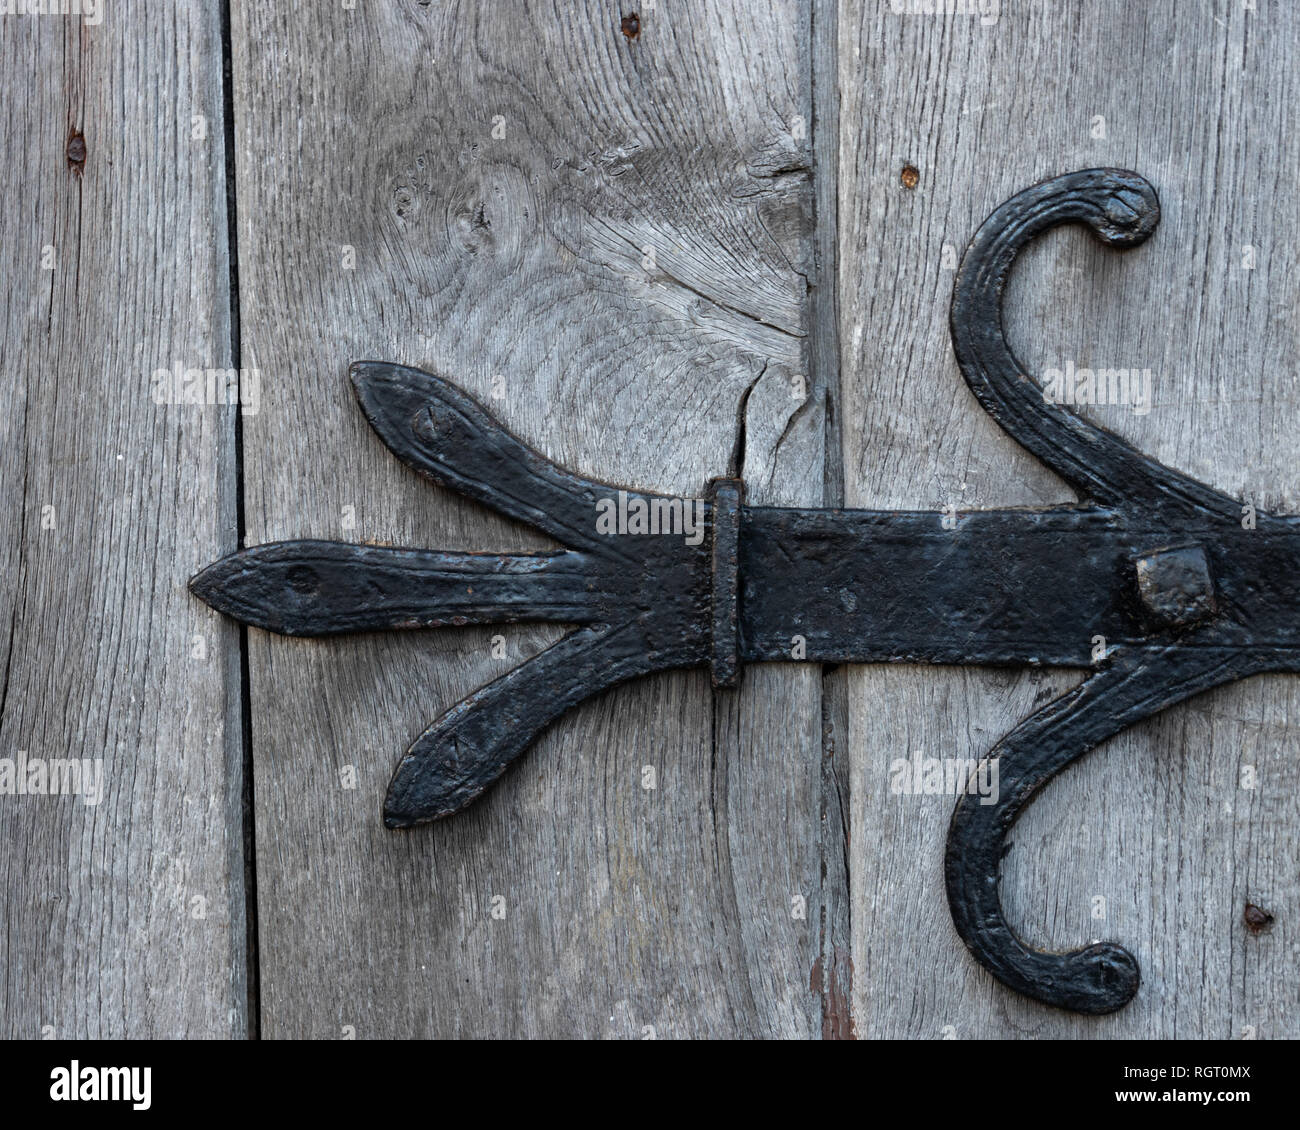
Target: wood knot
(631,25)
(1256,918)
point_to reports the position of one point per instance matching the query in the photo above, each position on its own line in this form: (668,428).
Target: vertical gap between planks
(835,966)
(244,691)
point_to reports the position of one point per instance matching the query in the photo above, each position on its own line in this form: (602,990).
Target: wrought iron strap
(1154,563)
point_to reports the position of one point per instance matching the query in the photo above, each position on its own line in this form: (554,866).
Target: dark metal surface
(1156,563)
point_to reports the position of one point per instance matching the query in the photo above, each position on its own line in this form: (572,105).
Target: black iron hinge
(1158,564)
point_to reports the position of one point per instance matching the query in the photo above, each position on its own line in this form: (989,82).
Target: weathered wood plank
(609,228)
(126,917)
(1198,98)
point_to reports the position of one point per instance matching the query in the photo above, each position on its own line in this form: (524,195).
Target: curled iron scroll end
(1134,685)
(1100,978)
(1128,208)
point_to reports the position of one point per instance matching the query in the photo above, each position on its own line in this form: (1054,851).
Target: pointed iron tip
(387,391)
(207,582)
(360,371)
(398,813)
(365,376)
(412,798)
(215,586)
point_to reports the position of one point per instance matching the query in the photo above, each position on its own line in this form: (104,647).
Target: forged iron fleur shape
(1155,562)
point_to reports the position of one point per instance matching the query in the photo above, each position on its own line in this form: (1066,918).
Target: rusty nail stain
(911,176)
(1256,918)
(631,25)
(76,151)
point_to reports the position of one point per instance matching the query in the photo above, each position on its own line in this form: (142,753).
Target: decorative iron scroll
(1155,562)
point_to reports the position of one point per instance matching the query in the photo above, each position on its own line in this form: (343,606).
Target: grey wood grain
(1199,98)
(614,234)
(125,917)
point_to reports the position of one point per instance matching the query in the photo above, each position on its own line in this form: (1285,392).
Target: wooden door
(654,241)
